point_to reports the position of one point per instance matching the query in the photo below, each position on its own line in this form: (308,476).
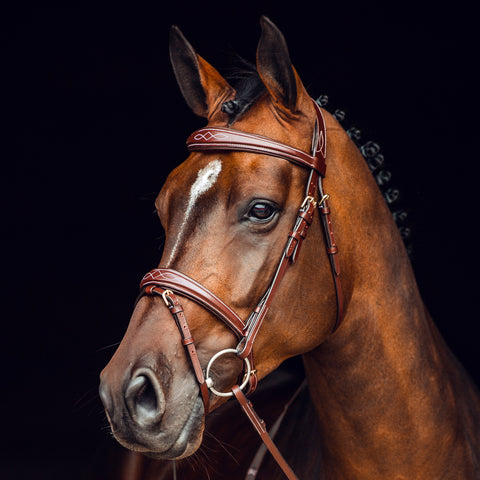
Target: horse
(238,291)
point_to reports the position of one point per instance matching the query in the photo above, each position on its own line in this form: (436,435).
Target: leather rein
(168,283)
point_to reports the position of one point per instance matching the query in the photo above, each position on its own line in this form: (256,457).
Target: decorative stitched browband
(168,282)
(219,138)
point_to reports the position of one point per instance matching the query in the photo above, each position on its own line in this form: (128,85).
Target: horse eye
(261,212)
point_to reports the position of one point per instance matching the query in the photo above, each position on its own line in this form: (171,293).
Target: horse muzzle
(149,417)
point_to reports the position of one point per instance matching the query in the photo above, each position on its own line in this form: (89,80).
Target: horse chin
(187,442)
(189,439)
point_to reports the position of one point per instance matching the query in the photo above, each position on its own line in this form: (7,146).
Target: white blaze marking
(206,177)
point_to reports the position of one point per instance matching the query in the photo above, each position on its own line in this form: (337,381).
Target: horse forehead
(197,186)
(197,175)
(200,181)
(206,178)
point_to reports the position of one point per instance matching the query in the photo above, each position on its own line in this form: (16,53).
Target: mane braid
(376,163)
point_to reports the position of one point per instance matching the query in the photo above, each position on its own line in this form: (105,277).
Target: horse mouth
(159,444)
(189,438)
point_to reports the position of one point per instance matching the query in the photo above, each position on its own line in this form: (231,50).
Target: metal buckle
(309,199)
(325,197)
(166,298)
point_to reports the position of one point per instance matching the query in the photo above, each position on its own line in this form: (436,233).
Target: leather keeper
(176,309)
(150,289)
(298,235)
(187,341)
(307,215)
(325,210)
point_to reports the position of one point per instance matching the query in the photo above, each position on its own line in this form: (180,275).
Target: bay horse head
(235,214)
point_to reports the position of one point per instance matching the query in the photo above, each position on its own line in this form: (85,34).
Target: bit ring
(209,380)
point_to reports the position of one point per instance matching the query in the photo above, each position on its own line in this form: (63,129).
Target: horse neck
(384,382)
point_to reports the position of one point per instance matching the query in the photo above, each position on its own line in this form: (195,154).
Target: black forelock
(244,78)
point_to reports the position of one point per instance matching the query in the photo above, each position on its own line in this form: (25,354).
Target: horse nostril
(145,399)
(141,392)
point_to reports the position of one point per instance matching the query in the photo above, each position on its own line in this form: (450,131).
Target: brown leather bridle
(168,283)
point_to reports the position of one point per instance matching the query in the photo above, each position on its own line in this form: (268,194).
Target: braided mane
(370,151)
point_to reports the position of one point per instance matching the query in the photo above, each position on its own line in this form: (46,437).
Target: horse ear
(276,69)
(203,88)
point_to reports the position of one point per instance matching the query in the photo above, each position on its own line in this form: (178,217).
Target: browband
(228,139)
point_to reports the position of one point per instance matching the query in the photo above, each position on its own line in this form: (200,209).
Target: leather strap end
(291,246)
(336,264)
(252,386)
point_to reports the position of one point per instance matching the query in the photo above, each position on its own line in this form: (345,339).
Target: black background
(94,123)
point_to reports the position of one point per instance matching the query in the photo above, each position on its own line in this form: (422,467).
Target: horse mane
(371,152)
(243,76)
